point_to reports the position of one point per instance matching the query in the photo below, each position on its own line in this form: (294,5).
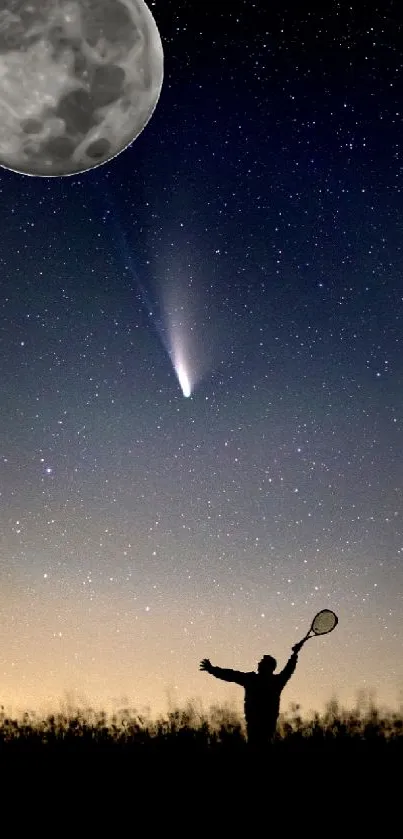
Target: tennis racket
(324,622)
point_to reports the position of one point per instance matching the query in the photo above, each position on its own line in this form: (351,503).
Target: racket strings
(324,622)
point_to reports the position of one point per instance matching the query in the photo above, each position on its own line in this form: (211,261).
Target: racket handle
(301,643)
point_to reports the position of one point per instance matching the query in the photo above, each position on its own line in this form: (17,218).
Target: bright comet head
(179,337)
(183,379)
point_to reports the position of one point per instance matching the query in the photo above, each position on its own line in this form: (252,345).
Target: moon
(79,81)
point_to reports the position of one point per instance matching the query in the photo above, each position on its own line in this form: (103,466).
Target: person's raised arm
(220,673)
(289,668)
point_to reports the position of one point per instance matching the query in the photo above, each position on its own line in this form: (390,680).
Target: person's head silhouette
(267,665)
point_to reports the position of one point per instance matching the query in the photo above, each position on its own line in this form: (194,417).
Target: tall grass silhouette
(189,765)
(191,731)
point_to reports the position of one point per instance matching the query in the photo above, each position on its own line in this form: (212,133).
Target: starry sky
(256,222)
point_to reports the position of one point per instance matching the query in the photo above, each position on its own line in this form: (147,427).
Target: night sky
(256,224)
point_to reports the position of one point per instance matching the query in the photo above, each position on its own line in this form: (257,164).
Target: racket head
(324,621)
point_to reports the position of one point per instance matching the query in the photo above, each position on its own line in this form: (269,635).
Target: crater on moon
(79,80)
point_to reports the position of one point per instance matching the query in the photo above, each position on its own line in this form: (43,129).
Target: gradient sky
(257,223)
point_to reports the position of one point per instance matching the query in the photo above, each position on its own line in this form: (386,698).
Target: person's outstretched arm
(286,674)
(220,673)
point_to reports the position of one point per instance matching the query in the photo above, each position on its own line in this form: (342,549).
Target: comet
(172,308)
(183,380)
(179,358)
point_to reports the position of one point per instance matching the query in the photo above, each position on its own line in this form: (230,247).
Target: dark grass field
(364,742)
(192,773)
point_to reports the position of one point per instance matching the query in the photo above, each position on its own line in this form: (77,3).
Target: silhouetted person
(262,694)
